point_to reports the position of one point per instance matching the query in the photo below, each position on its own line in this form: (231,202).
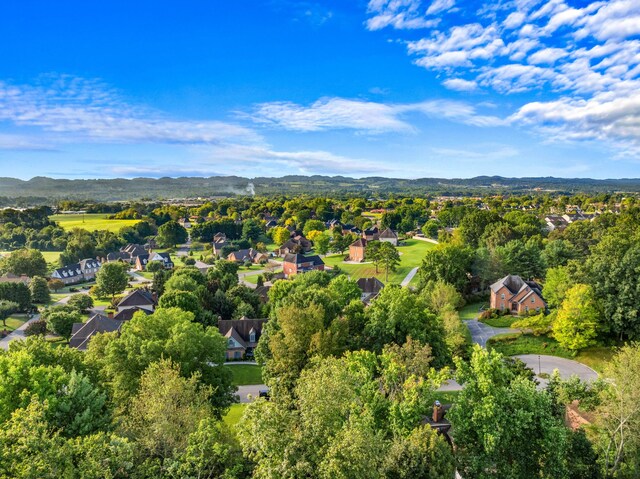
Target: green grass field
(91,222)
(15,321)
(517,343)
(234,415)
(470,311)
(244,374)
(501,321)
(411,255)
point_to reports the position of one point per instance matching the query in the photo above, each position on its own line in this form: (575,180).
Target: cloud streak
(364,116)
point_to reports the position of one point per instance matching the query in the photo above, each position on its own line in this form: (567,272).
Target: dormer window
(252,337)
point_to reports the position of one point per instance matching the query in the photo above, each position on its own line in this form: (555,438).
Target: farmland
(91,222)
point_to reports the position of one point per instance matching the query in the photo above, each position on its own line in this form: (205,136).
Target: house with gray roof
(85,270)
(516,295)
(242,336)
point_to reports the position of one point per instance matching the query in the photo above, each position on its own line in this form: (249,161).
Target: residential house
(357,250)
(555,222)
(351,229)
(371,234)
(332,224)
(130,252)
(13,278)
(298,263)
(244,255)
(297,244)
(138,298)
(242,336)
(370,288)
(389,236)
(185,222)
(85,270)
(219,236)
(81,333)
(144,259)
(271,224)
(516,295)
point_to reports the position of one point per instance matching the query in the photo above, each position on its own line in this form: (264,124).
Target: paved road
(249,393)
(409,277)
(18,333)
(566,367)
(481,332)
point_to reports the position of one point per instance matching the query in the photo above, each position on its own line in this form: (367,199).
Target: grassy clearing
(245,374)
(91,222)
(15,321)
(447,397)
(411,254)
(518,343)
(501,321)
(146,275)
(471,310)
(234,415)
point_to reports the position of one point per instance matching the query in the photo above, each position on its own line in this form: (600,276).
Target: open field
(245,374)
(411,255)
(15,321)
(91,222)
(471,310)
(234,415)
(516,344)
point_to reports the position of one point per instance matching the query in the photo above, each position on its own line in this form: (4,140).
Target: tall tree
(389,258)
(7,308)
(577,324)
(39,290)
(171,234)
(29,262)
(503,426)
(112,279)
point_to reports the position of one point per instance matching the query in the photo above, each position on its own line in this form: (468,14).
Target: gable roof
(360,242)
(137,297)
(82,332)
(388,233)
(240,329)
(370,285)
(515,284)
(127,314)
(300,258)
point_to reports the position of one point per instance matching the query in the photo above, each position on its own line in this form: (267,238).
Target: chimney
(110,315)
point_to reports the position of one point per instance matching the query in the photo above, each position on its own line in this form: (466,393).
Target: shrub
(34,328)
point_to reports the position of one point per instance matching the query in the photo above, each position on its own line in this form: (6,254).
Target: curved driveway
(481,332)
(566,367)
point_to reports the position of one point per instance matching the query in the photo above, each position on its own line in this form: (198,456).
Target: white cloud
(547,56)
(438,6)
(364,116)
(74,108)
(459,84)
(399,14)
(587,60)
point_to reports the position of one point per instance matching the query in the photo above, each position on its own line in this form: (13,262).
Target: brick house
(144,259)
(242,336)
(517,295)
(357,250)
(297,263)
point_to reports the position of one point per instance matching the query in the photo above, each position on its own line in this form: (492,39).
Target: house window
(533,300)
(237,355)
(252,337)
(230,343)
(526,308)
(502,296)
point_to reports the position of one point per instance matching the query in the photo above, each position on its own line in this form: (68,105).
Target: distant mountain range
(41,189)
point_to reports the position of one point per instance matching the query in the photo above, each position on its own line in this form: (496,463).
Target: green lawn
(146,275)
(91,222)
(447,397)
(471,310)
(49,256)
(234,415)
(252,278)
(411,255)
(244,374)
(517,343)
(501,321)
(15,321)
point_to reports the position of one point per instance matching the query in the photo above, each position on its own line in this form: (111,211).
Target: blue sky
(402,88)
